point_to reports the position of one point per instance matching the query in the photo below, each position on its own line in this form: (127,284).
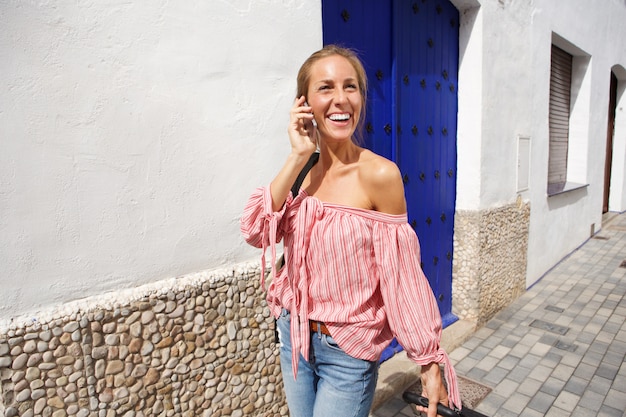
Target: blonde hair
(304,77)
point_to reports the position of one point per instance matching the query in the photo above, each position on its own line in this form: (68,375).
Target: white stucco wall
(469,117)
(561,223)
(504,83)
(131,134)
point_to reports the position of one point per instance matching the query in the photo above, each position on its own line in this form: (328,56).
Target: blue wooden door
(410,52)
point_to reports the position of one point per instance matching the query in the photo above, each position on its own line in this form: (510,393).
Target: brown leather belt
(319,326)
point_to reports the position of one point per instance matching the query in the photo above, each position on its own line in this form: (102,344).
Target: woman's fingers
(301,129)
(301,114)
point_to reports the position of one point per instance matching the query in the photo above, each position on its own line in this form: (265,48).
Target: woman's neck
(338,153)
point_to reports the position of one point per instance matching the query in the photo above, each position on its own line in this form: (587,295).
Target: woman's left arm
(409,300)
(412,310)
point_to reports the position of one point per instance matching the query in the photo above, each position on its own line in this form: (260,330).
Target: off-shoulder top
(356,270)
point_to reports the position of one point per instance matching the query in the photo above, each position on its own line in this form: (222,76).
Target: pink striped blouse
(356,270)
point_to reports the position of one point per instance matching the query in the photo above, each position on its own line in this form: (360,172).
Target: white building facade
(133,133)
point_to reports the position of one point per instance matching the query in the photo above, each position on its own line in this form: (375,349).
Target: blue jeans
(331,383)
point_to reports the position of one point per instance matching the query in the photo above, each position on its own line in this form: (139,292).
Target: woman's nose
(340,96)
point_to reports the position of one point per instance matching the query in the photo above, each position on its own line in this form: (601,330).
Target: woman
(352,278)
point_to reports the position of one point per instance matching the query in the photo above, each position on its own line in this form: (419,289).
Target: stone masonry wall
(489,267)
(201,345)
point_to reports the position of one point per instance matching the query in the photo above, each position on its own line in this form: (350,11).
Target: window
(560,87)
(569,112)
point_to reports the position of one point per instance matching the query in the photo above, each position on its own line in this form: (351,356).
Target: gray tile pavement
(560,349)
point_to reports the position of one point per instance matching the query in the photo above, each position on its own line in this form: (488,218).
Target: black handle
(413,398)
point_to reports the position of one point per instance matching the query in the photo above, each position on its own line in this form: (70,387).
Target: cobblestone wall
(489,267)
(197,346)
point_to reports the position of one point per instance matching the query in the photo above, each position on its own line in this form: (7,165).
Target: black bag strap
(295,189)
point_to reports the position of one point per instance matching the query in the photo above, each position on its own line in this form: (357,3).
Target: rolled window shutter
(560,88)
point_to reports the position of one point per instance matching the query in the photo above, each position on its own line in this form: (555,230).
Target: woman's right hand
(302,131)
(302,136)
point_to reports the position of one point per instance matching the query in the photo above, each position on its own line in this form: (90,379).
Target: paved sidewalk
(559,350)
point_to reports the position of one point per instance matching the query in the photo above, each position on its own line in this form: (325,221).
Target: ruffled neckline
(367,213)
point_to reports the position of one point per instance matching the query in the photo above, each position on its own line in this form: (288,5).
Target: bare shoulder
(382,181)
(376,170)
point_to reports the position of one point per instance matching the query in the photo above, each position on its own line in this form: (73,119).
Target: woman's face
(335,98)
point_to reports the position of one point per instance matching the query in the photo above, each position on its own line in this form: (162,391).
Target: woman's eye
(324,87)
(351,87)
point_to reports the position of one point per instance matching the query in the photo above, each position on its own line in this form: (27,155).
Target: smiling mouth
(339,117)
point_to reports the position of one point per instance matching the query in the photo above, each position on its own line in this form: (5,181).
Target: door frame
(608,160)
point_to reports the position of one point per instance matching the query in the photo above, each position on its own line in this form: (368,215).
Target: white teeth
(339,117)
